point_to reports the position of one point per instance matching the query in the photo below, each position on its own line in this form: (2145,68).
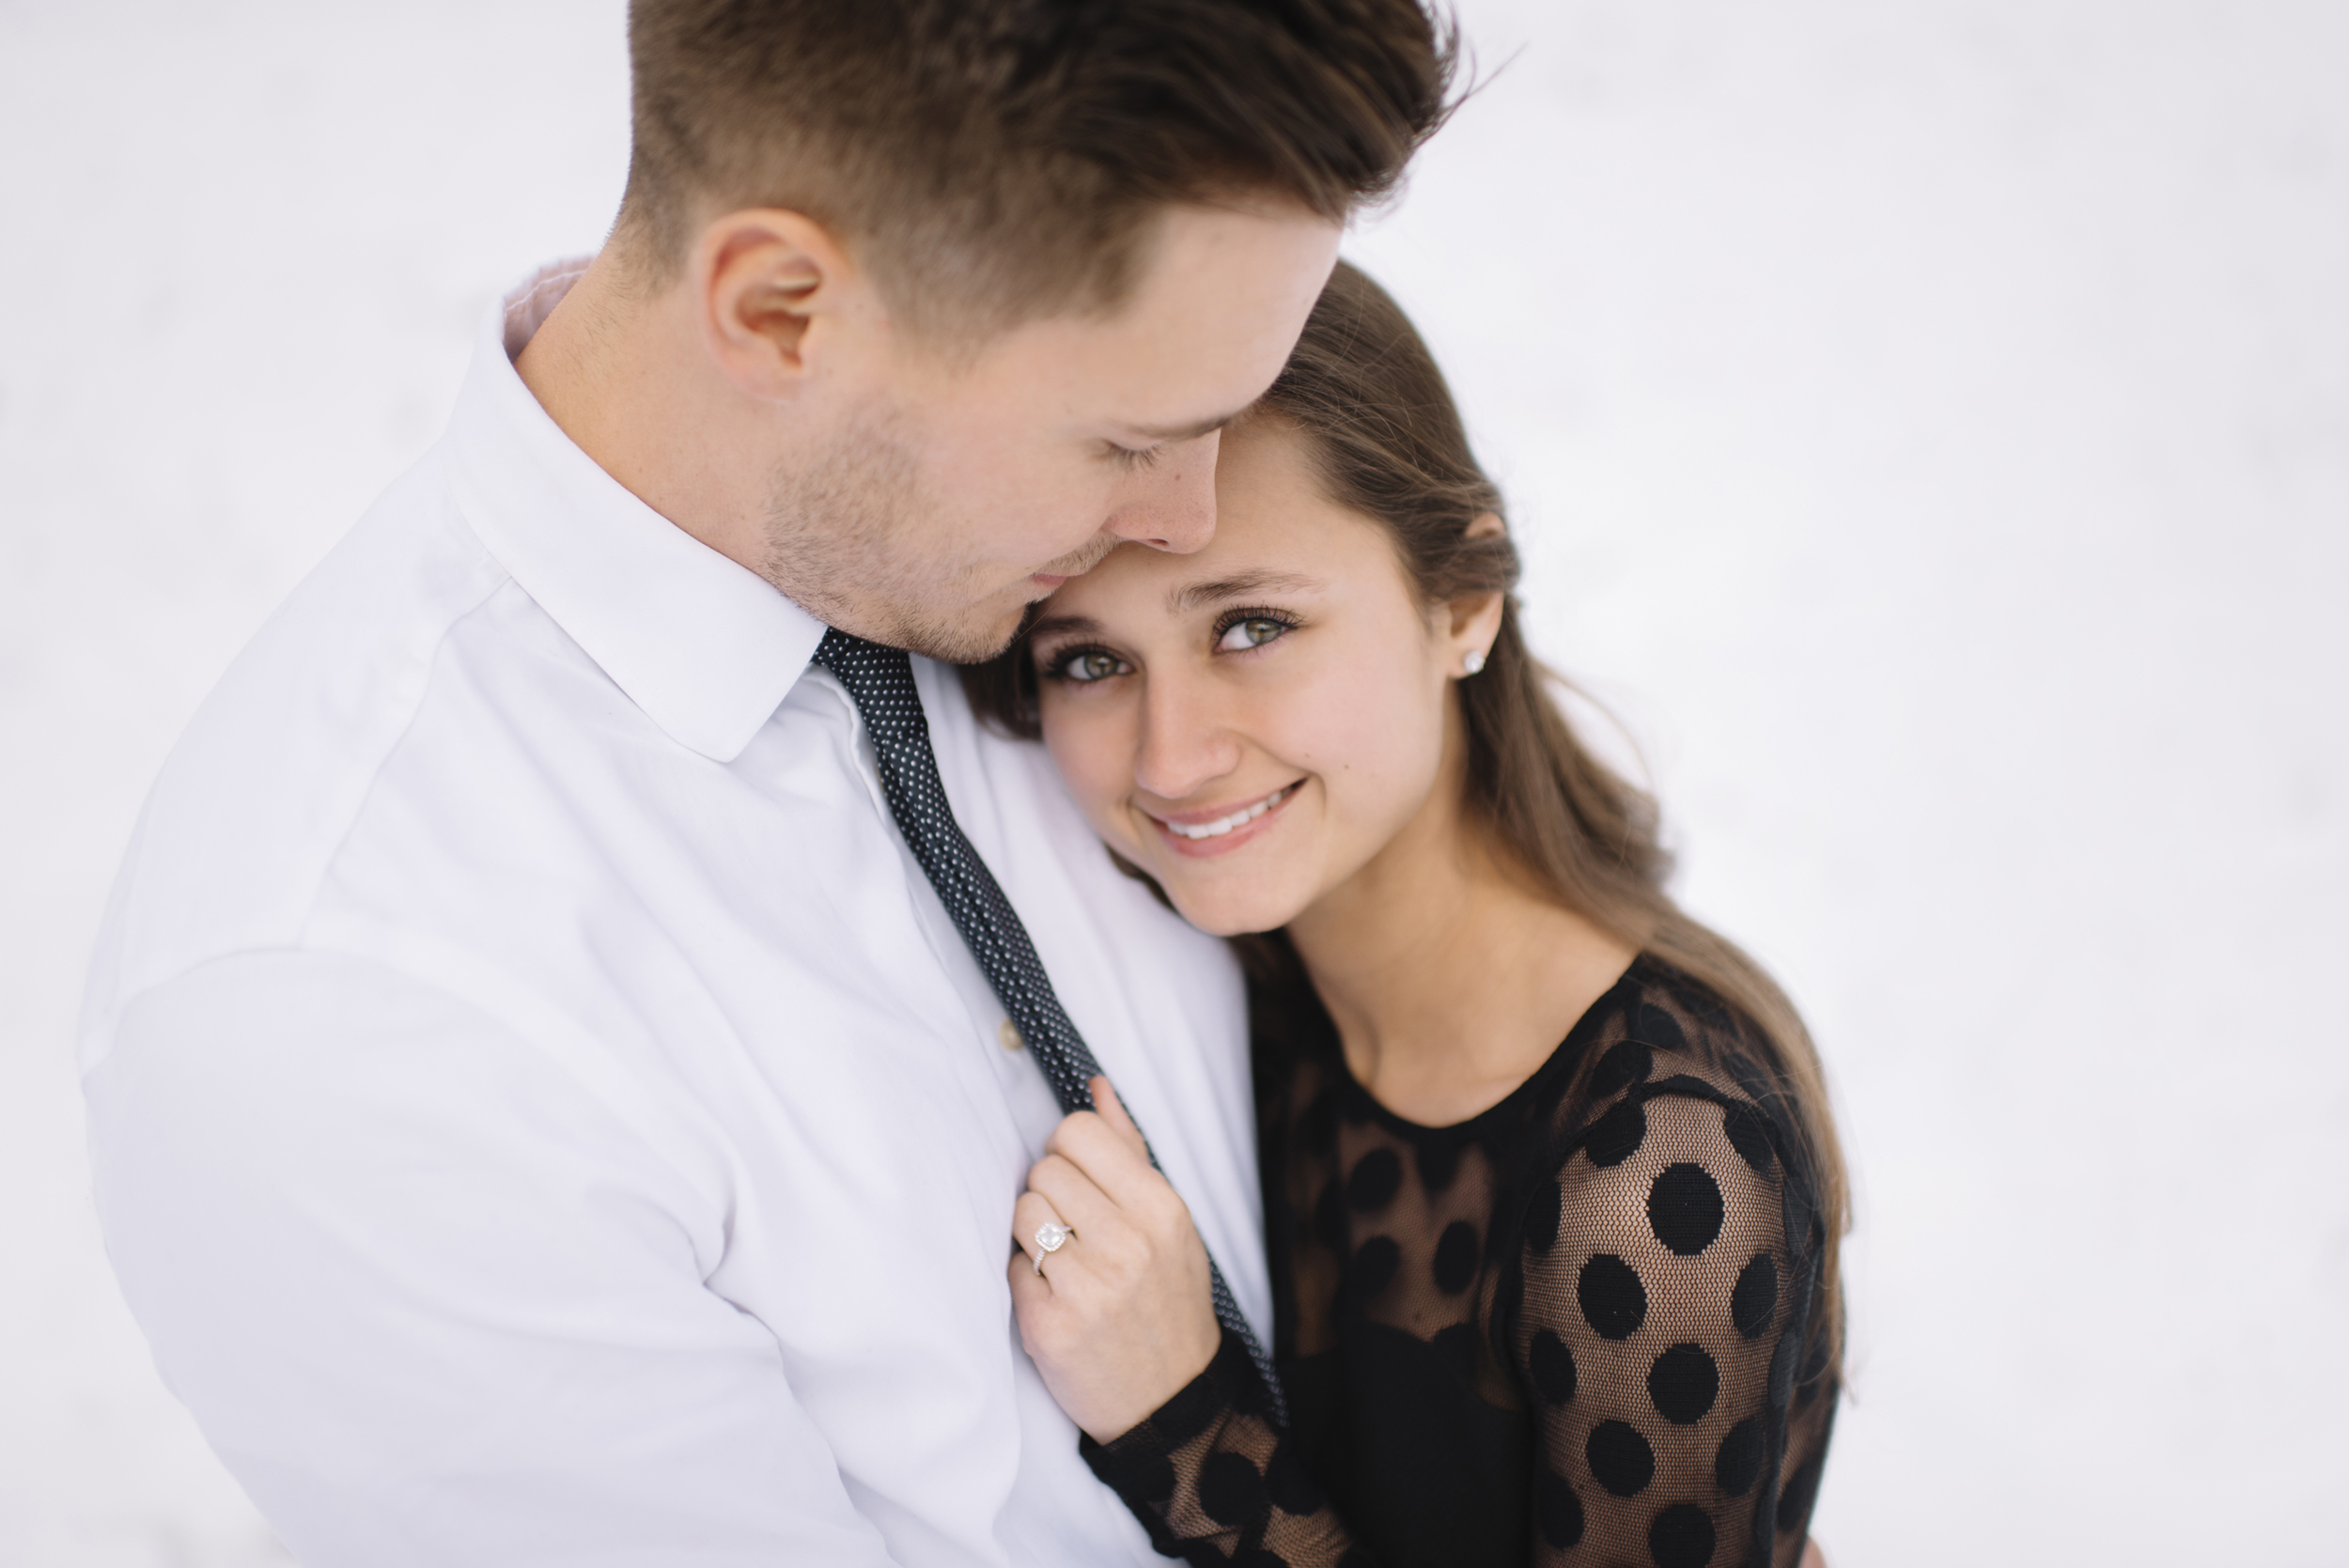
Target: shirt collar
(708,648)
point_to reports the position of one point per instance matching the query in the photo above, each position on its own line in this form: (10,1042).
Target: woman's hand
(1120,1319)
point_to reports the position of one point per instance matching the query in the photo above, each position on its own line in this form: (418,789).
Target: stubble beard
(844,543)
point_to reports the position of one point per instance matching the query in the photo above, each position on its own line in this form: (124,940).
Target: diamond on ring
(1050,1237)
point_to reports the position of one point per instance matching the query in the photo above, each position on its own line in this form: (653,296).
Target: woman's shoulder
(1660,1034)
(1659,1019)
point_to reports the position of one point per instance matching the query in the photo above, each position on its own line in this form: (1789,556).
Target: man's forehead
(1194,342)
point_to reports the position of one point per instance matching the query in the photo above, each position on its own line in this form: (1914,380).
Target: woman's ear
(770,282)
(1474,620)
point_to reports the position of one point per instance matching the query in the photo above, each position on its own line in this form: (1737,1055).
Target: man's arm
(430,1300)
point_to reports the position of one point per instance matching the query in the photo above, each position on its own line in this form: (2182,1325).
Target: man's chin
(973,639)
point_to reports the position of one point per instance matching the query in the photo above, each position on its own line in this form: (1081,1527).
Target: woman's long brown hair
(1386,436)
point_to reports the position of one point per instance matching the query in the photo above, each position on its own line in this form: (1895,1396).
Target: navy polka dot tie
(881,679)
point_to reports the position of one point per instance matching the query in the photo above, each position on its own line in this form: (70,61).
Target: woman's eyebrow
(1192,595)
(1054,626)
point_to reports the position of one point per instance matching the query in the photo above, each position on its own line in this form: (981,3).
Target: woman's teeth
(1223,824)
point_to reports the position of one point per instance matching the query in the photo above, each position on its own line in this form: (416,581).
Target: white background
(1929,422)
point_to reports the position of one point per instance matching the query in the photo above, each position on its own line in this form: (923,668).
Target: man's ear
(773,286)
(1473,621)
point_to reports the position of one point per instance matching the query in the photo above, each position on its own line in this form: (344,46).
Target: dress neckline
(1559,1062)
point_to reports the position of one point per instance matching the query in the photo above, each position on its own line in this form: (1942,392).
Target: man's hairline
(632,234)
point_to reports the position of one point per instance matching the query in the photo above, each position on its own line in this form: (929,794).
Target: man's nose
(1171,505)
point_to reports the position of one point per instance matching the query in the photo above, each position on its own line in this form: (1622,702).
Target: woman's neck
(1450,979)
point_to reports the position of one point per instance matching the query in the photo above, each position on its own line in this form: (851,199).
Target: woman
(1549,1185)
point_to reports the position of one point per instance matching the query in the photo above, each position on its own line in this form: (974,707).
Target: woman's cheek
(1372,747)
(1084,740)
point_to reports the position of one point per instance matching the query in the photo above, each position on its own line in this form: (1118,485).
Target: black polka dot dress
(1585,1326)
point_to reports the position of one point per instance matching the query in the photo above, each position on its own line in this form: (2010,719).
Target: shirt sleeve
(431,1300)
(1669,1337)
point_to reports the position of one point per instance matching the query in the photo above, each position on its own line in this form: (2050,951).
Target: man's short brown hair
(996,160)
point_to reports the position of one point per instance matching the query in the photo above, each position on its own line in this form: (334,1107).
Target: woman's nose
(1186,744)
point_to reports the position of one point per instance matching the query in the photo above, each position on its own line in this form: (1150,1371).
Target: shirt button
(1009,1033)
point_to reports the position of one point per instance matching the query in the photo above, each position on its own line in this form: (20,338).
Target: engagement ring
(1050,1237)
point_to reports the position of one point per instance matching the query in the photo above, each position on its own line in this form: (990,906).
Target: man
(544,1111)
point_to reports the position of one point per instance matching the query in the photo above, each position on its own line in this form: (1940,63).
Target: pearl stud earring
(1474,661)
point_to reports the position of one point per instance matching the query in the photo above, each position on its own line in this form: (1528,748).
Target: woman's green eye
(1092,666)
(1255,632)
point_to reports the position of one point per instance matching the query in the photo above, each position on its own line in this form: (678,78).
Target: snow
(1929,426)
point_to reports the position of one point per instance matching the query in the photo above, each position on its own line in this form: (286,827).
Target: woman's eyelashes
(1234,632)
(1134,457)
(1083,665)
(1240,630)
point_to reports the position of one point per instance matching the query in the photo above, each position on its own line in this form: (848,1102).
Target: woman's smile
(1221,830)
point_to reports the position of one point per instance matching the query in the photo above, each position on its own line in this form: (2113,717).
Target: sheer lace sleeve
(1215,1482)
(1669,1333)
(1586,1326)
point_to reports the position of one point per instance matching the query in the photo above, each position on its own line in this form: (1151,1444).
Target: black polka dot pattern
(880,682)
(1658,1027)
(1558,1511)
(1231,1489)
(1754,1303)
(1542,1213)
(1684,1208)
(1613,1301)
(1683,1383)
(1456,1257)
(1552,1366)
(1288,1485)
(1616,1136)
(1626,1063)
(1328,1221)
(1738,1465)
(1439,1162)
(1682,1537)
(1749,1135)
(1376,1177)
(1620,1459)
(1624,1249)
(1372,1268)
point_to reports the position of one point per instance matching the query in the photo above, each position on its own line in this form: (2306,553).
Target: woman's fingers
(1030,1297)
(1113,1110)
(1075,1196)
(1030,1214)
(1118,1165)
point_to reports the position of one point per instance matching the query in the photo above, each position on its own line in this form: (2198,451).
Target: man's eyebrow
(1191,596)
(1191,431)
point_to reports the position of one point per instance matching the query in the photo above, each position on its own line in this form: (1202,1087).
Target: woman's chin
(1232,911)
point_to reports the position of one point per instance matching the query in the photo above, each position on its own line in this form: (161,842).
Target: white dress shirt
(542,1115)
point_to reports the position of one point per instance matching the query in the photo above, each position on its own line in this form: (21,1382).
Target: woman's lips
(1199,833)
